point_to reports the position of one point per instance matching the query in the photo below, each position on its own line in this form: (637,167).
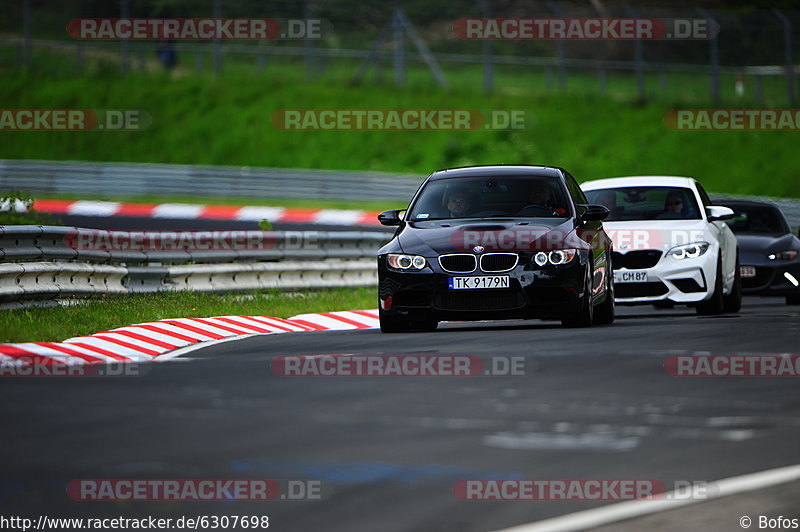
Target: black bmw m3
(496,242)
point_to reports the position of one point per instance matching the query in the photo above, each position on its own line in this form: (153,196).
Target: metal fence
(752,47)
(130,179)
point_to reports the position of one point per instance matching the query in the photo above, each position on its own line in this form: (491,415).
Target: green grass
(198,119)
(54,324)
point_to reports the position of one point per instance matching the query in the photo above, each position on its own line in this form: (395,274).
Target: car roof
(498,170)
(646,181)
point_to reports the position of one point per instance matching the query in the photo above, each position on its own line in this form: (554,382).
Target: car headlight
(406,262)
(556,257)
(688,251)
(789,254)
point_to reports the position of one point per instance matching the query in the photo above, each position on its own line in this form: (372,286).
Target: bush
(16,208)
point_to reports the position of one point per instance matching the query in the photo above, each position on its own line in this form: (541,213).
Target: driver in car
(673,207)
(540,197)
(459,202)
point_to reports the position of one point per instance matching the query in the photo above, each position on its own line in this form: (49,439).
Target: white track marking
(613,513)
(94,208)
(256,214)
(177,210)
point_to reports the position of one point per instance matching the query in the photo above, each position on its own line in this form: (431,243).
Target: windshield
(757,220)
(491,197)
(646,203)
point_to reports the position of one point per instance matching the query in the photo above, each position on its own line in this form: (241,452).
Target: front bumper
(684,281)
(773,278)
(550,292)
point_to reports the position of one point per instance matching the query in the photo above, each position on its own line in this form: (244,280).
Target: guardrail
(65,262)
(48,243)
(130,179)
(137,179)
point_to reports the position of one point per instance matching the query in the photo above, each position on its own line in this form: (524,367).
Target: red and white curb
(146,342)
(187,211)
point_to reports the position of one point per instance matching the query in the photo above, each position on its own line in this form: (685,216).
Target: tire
(733,301)
(605,312)
(793,300)
(714,305)
(585,314)
(393,324)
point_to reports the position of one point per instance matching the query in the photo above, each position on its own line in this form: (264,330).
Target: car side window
(575,190)
(703,196)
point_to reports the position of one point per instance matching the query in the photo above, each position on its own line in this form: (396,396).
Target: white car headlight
(406,262)
(556,257)
(688,251)
(789,254)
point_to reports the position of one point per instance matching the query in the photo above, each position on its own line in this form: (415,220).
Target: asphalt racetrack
(591,403)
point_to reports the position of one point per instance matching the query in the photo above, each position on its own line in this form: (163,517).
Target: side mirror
(391,217)
(593,213)
(717,213)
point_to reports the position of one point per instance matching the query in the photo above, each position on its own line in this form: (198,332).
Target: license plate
(486,281)
(747,271)
(630,277)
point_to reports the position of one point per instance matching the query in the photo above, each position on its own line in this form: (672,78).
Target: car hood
(431,238)
(755,248)
(654,234)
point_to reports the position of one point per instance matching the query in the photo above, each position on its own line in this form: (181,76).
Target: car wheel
(793,300)
(733,302)
(714,305)
(584,316)
(605,312)
(393,324)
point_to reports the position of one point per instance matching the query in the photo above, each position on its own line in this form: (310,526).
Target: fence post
(759,94)
(560,49)
(26,32)
(638,58)
(125,45)
(217,10)
(399,49)
(602,80)
(787,42)
(488,64)
(308,44)
(262,57)
(79,58)
(714,51)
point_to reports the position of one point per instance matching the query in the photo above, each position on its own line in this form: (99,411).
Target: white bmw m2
(671,245)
